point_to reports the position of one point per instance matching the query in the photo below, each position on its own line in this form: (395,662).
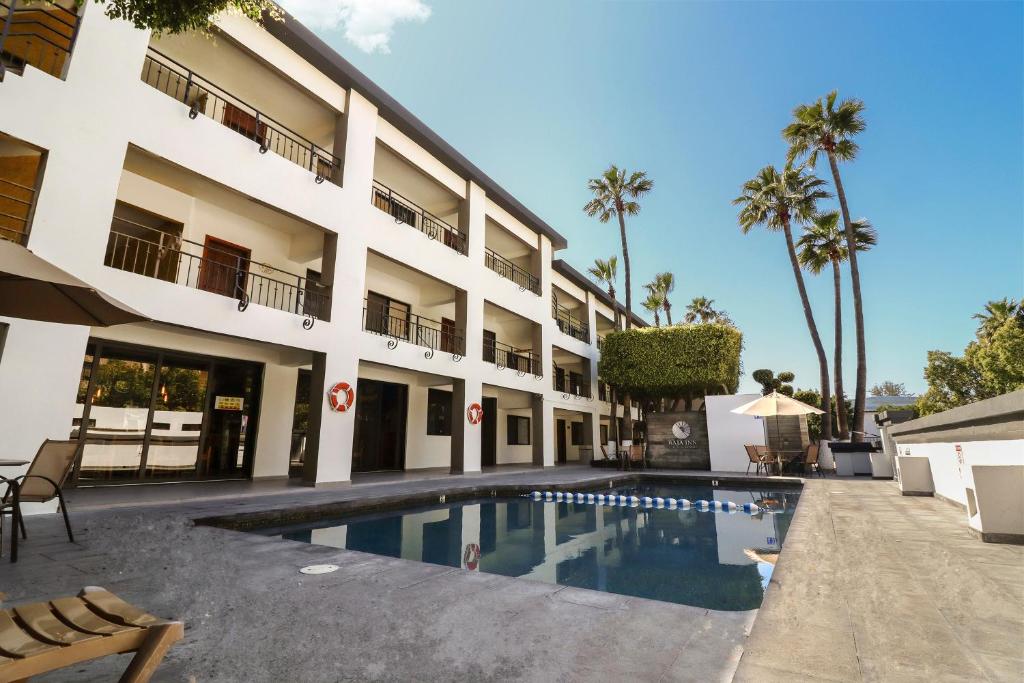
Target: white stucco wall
(950,477)
(729,432)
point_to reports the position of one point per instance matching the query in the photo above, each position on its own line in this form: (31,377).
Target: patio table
(12,463)
(780,457)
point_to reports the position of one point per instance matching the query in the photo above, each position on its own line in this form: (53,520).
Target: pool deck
(869,586)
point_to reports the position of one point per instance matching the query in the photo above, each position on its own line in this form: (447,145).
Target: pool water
(716,560)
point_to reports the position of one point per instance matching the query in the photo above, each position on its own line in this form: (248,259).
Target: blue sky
(544,95)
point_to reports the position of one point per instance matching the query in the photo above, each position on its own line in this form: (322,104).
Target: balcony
(570,324)
(20,167)
(523,361)
(570,382)
(39,34)
(203,97)
(391,319)
(213,267)
(405,211)
(524,279)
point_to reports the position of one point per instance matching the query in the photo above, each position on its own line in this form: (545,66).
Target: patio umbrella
(35,289)
(776,404)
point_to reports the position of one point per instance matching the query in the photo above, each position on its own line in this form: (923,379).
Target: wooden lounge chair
(41,484)
(46,636)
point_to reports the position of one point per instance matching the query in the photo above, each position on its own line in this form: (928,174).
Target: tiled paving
(870,586)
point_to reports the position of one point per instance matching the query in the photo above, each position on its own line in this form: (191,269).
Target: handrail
(406,211)
(412,328)
(30,45)
(204,97)
(510,271)
(14,222)
(164,257)
(507,356)
(570,324)
(582,389)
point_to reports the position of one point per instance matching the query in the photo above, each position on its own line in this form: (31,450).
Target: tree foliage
(681,361)
(178,16)
(889,388)
(812,397)
(770,382)
(992,364)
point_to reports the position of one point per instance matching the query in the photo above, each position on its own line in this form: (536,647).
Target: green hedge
(673,362)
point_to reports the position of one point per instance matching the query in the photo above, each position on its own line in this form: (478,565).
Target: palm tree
(606,273)
(701,310)
(665,283)
(775,200)
(654,302)
(825,127)
(615,194)
(824,243)
(997,313)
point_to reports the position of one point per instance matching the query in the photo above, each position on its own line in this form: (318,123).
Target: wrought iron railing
(203,97)
(604,391)
(600,342)
(382,319)
(510,271)
(570,384)
(37,33)
(168,257)
(405,211)
(503,356)
(569,324)
(15,210)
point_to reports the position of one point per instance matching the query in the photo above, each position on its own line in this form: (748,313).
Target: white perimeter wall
(950,478)
(729,432)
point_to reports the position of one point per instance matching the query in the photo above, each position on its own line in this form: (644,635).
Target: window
(387,316)
(518,430)
(439,412)
(577,433)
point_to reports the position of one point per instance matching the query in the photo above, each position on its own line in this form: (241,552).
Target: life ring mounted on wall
(341,396)
(471,556)
(474,413)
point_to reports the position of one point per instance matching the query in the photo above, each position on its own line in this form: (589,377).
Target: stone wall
(678,440)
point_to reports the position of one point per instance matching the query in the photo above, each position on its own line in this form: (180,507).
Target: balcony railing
(523,361)
(203,97)
(168,257)
(15,210)
(604,391)
(405,211)
(380,319)
(569,324)
(37,33)
(571,385)
(510,271)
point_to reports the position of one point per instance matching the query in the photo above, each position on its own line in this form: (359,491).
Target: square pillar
(466,436)
(543,426)
(473,221)
(357,130)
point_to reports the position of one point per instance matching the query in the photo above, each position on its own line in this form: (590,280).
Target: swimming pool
(718,560)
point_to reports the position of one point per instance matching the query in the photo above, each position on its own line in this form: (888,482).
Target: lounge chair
(756,459)
(41,484)
(47,636)
(810,461)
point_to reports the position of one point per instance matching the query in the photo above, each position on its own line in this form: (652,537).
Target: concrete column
(360,145)
(543,426)
(591,436)
(465,436)
(473,222)
(273,447)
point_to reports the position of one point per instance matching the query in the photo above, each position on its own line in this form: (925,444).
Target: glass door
(173,448)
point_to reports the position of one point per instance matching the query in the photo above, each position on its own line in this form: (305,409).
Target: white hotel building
(284,225)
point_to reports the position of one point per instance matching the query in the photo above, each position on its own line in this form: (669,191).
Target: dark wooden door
(560,440)
(489,433)
(380,421)
(225,268)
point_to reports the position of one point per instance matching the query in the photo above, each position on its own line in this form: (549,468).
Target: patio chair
(810,461)
(756,459)
(41,484)
(46,636)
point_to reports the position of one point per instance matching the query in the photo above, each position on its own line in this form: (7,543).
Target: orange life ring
(474,413)
(471,556)
(341,396)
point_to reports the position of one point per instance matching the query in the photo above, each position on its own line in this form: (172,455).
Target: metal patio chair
(757,458)
(41,484)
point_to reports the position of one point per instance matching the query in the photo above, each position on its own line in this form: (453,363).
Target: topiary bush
(673,362)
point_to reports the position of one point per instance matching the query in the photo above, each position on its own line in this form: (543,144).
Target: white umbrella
(776,404)
(35,289)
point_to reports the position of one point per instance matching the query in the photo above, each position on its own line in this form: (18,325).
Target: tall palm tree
(997,313)
(775,199)
(824,126)
(654,302)
(701,309)
(616,193)
(607,273)
(822,244)
(665,284)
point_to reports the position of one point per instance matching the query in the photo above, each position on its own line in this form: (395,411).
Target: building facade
(330,287)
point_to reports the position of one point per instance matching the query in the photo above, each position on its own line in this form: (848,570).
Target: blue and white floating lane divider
(647,502)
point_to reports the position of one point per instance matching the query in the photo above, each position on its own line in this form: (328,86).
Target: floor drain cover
(320,569)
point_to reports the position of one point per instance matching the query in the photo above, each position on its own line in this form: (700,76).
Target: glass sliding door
(152,415)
